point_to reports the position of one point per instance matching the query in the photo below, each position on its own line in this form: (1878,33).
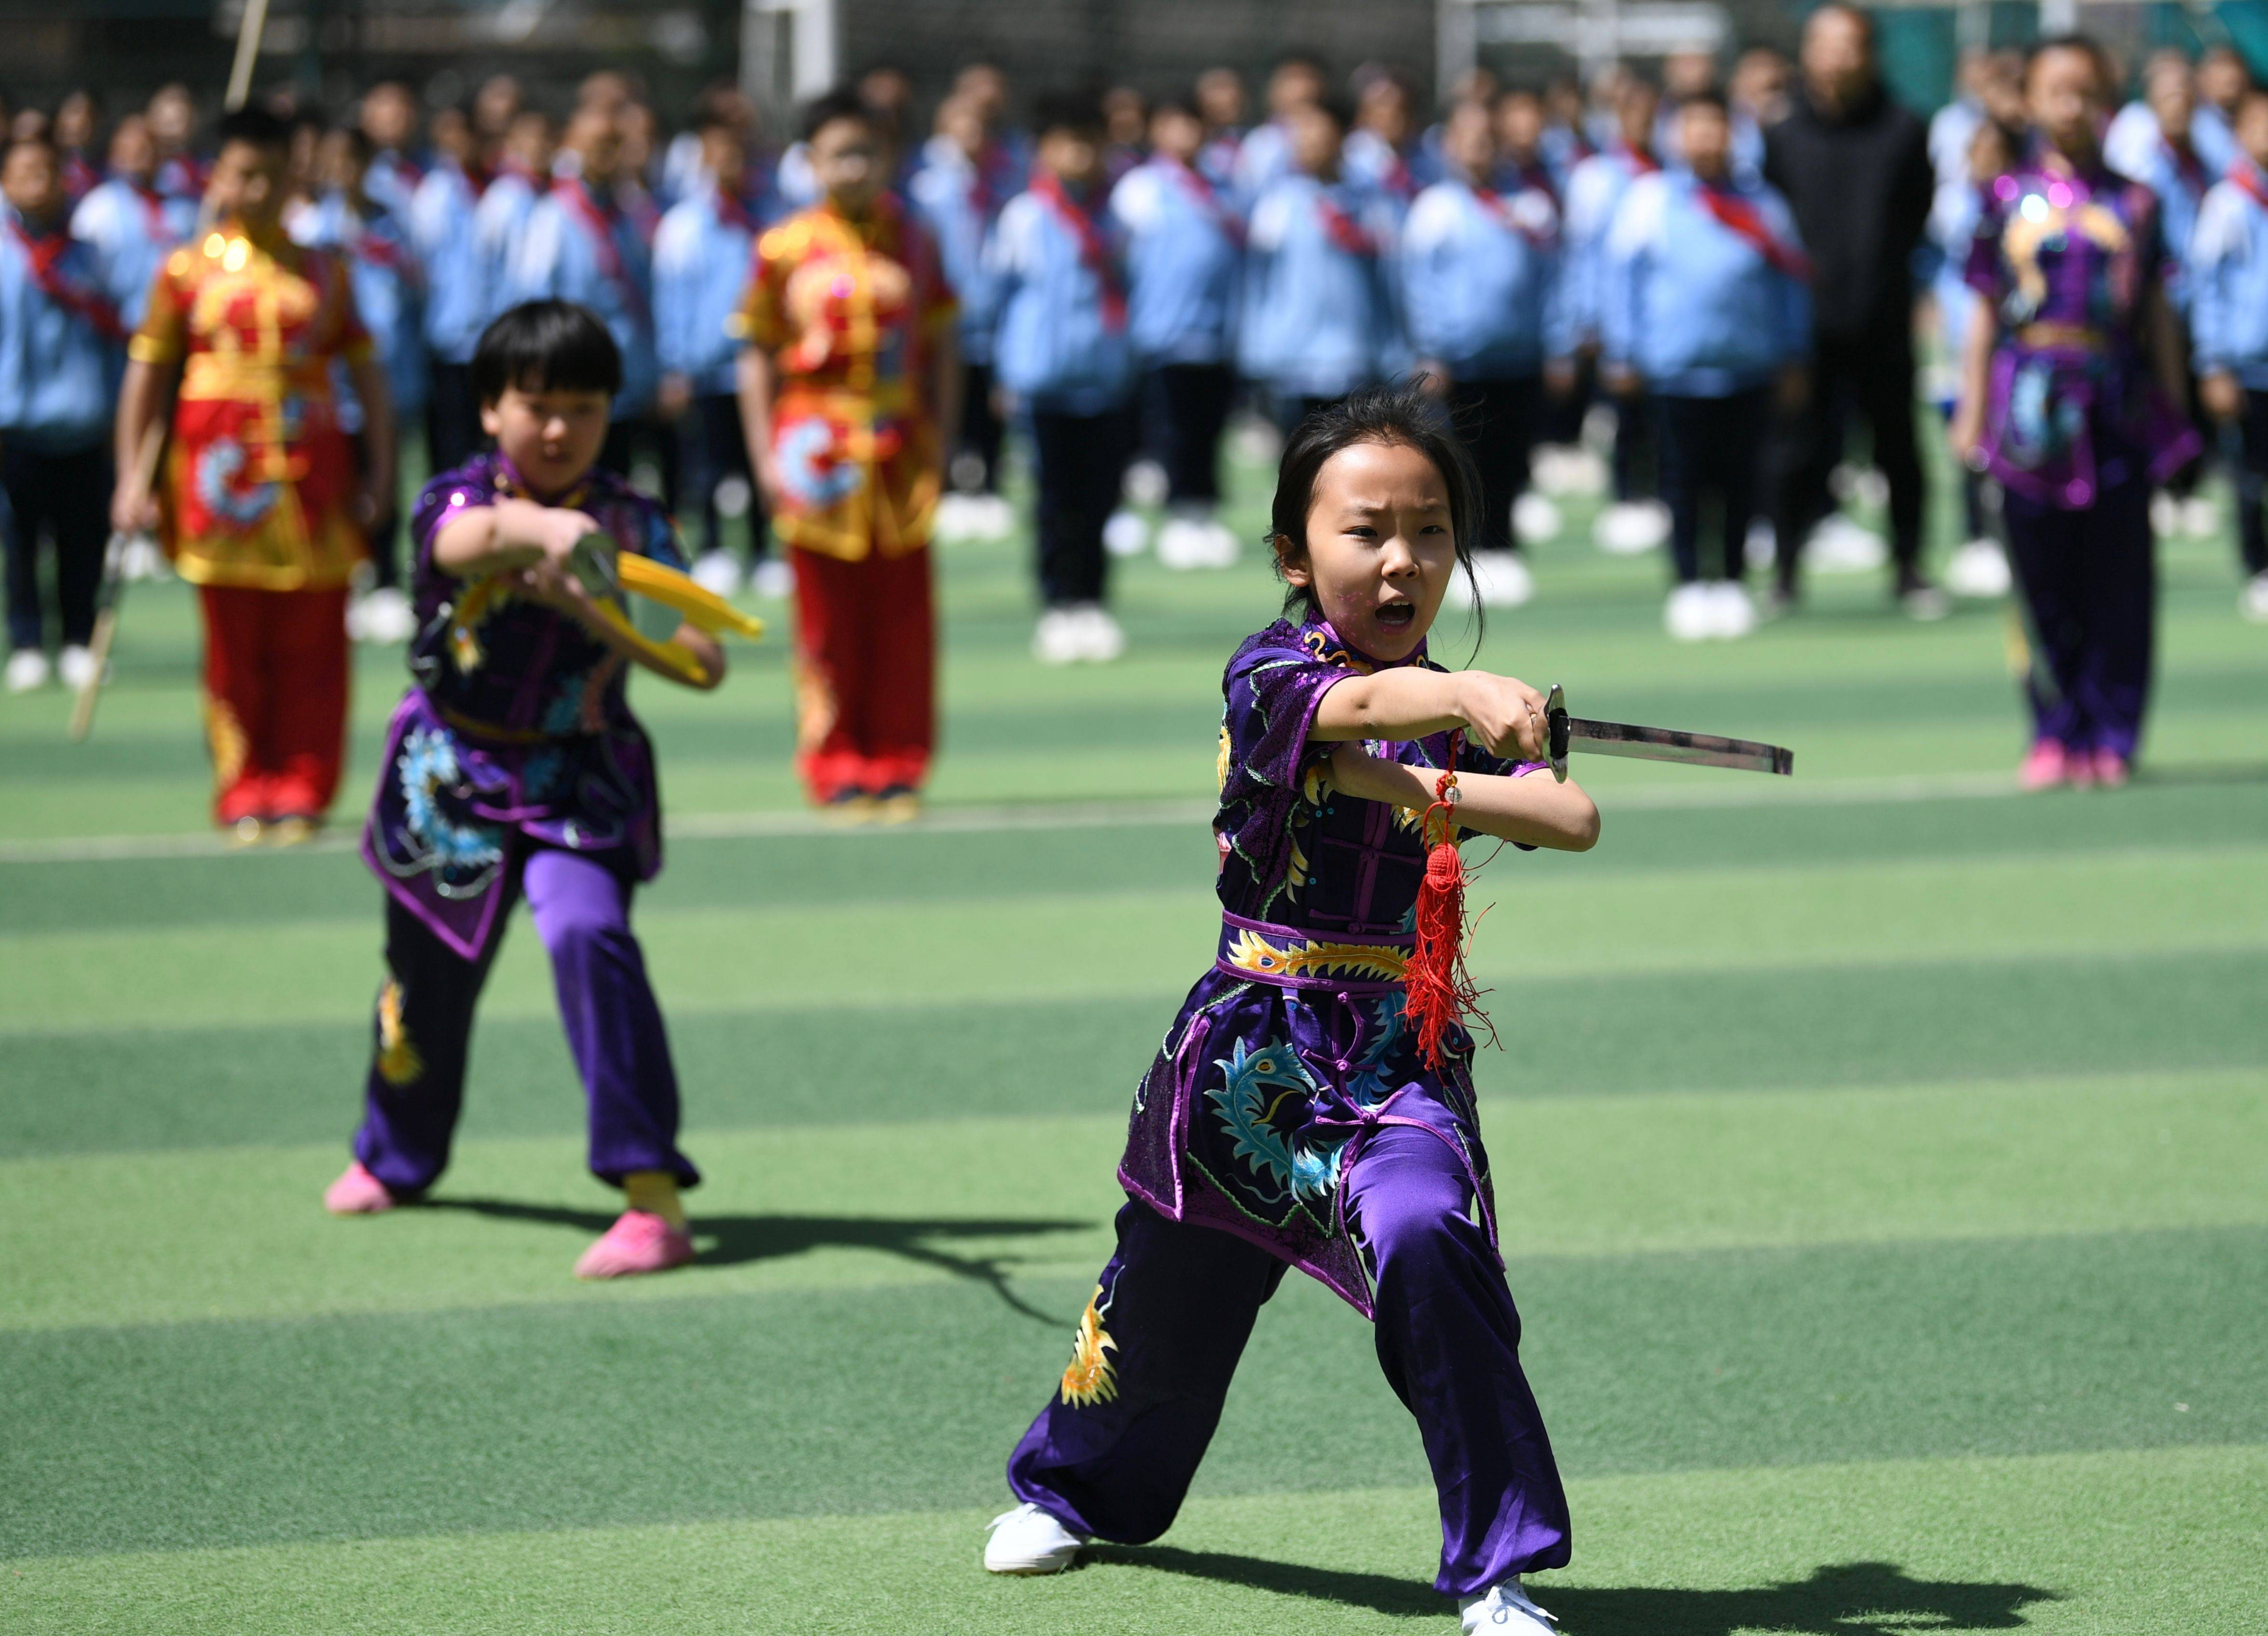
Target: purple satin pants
(425,1027)
(2090,579)
(1178,1302)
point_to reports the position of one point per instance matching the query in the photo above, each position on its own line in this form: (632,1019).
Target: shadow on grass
(1847,1599)
(733,1240)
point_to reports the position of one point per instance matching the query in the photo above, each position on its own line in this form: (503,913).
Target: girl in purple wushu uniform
(2070,377)
(1313,1105)
(513,767)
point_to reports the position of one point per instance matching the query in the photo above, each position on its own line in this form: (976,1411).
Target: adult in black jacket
(1854,167)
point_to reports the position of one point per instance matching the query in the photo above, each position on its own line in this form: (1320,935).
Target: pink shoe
(2078,769)
(640,1242)
(2111,770)
(2045,767)
(357,1193)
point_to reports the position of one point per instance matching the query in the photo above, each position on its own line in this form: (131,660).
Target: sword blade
(1702,749)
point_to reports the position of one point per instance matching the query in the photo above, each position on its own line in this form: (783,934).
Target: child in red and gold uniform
(261,506)
(847,389)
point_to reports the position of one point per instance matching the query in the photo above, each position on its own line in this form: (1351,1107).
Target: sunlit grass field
(1882,1160)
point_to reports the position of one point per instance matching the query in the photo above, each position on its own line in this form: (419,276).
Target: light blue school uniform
(953,196)
(131,231)
(561,255)
(1056,348)
(1184,260)
(1953,218)
(2133,137)
(1369,157)
(1693,306)
(392,178)
(1480,280)
(1319,319)
(702,259)
(388,285)
(58,372)
(1263,160)
(2227,277)
(1562,150)
(444,227)
(499,223)
(1594,191)
(2180,189)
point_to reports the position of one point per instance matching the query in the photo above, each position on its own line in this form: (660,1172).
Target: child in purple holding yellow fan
(514,768)
(1313,1105)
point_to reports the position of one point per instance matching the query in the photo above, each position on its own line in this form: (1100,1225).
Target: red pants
(865,665)
(275,699)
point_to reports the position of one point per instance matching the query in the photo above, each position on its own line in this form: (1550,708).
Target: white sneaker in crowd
(2251,601)
(383,616)
(27,670)
(718,572)
(1732,610)
(2165,515)
(1027,1540)
(1127,534)
(1632,528)
(1146,483)
(1978,569)
(1059,637)
(958,518)
(2200,517)
(1535,518)
(1195,541)
(1690,613)
(75,666)
(1842,545)
(143,559)
(772,579)
(1924,602)
(1503,580)
(1505,1611)
(1566,469)
(1100,640)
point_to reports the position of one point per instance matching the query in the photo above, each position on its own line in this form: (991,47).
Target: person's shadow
(732,1241)
(1846,1599)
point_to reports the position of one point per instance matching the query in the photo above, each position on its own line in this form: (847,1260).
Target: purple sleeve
(443,497)
(1272,689)
(1983,273)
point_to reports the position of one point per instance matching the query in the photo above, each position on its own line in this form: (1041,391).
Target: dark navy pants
(67,498)
(2089,580)
(1112,1455)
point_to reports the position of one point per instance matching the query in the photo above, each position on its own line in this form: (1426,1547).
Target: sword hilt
(1555,728)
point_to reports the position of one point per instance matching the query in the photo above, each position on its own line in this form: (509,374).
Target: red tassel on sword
(1441,991)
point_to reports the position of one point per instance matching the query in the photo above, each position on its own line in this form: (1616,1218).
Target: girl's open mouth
(1397,615)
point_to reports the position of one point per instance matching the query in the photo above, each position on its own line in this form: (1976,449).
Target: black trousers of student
(1872,375)
(1711,448)
(1186,409)
(67,498)
(1496,421)
(981,431)
(720,450)
(1636,468)
(1081,461)
(383,537)
(452,416)
(658,438)
(2251,463)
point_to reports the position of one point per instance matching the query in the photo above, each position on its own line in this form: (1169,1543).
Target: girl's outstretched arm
(1504,714)
(1535,811)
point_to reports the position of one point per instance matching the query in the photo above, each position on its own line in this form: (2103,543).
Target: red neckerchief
(79,177)
(1093,249)
(153,211)
(1199,187)
(1738,216)
(598,223)
(1342,229)
(1398,180)
(733,210)
(45,254)
(1641,162)
(1497,205)
(539,183)
(2247,180)
(1536,174)
(371,246)
(2188,166)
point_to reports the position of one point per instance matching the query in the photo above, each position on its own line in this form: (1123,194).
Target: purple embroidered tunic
(2067,259)
(1292,1047)
(517,732)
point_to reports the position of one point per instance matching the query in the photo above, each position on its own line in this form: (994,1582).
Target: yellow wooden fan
(605,572)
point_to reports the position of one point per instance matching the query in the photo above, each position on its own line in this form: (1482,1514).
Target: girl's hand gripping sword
(607,574)
(1617,738)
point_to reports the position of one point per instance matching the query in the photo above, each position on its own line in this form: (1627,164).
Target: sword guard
(1555,728)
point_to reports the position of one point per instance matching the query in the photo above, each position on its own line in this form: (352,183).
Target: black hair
(1333,108)
(823,110)
(1077,111)
(1300,56)
(1403,412)
(254,126)
(546,346)
(1858,14)
(44,138)
(1707,97)
(712,116)
(358,143)
(2086,45)
(1183,103)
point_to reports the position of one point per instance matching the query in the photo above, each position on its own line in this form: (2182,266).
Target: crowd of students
(1732,275)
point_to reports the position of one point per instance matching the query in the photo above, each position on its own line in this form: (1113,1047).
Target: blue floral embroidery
(219,466)
(427,765)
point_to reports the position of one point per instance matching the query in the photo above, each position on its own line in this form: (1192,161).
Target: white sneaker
(1690,613)
(1146,484)
(1222,547)
(1925,603)
(2200,517)
(2165,515)
(1181,544)
(1732,609)
(717,573)
(1027,1540)
(1535,518)
(958,518)
(1842,545)
(2252,602)
(1563,469)
(996,518)
(1100,641)
(27,670)
(75,666)
(1761,549)
(1978,569)
(143,559)
(1503,578)
(384,616)
(1059,637)
(1632,528)
(773,579)
(1126,534)
(1505,1611)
